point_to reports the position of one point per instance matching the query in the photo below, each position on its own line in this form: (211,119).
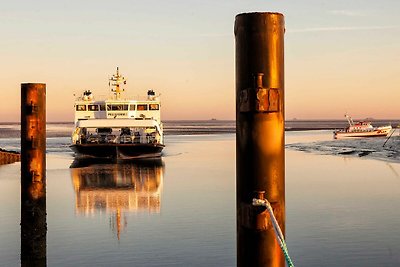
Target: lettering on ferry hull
(113,114)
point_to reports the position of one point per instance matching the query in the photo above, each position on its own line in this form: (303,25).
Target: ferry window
(154,107)
(80,107)
(102,107)
(93,107)
(131,107)
(117,107)
(142,107)
(104,130)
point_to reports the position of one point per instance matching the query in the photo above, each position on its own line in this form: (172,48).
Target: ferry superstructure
(117,127)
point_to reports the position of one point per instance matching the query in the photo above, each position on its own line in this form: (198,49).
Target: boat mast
(349,119)
(116,80)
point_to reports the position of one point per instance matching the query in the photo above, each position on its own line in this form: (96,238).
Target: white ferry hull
(117,127)
(378,132)
(117,151)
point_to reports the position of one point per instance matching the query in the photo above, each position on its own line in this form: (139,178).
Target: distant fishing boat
(117,127)
(361,129)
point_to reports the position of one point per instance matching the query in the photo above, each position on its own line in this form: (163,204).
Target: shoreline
(9,156)
(200,127)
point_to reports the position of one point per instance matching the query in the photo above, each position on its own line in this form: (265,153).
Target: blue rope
(278,232)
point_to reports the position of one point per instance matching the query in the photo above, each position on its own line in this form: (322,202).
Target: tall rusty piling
(33,174)
(260,158)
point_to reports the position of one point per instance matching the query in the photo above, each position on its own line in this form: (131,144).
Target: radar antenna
(115,81)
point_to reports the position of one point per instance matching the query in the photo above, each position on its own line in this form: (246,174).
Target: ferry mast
(349,119)
(115,81)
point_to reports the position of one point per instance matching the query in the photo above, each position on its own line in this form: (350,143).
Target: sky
(340,56)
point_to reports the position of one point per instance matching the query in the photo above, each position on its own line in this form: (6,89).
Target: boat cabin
(146,109)
(117,131)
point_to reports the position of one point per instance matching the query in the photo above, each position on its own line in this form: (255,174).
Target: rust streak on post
(260,162)
(33,174)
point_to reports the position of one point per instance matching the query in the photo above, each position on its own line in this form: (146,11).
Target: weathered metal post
(260,162)
(33,174)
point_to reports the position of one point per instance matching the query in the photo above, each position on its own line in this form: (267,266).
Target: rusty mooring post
(33,174)
(260,162)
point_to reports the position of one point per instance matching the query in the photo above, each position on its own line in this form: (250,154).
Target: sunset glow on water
(180,210)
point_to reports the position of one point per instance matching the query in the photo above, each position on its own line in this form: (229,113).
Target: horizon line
(193,120)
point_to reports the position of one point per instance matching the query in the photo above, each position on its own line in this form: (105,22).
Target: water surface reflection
(117,188)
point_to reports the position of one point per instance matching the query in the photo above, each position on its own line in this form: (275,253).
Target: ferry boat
(117,127)
(361,129)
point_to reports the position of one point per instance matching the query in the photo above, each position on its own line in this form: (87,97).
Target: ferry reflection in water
(117,188)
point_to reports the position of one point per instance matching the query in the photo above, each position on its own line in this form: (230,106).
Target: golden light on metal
(33,174)
(260,162)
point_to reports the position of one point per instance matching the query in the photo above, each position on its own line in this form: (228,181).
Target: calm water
(342,210)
